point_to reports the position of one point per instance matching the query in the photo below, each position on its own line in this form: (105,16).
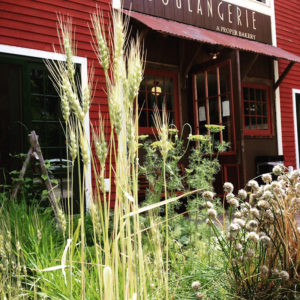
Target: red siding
(33,24)
(288,38)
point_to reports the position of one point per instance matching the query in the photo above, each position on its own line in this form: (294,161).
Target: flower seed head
(242,194)
(196,285)
(228,187)
(266,178)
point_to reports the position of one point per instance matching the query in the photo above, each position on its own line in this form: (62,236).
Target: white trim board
(84,80)
(295,91)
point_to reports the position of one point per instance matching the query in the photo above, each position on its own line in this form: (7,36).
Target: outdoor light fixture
(214,55)
(156,89)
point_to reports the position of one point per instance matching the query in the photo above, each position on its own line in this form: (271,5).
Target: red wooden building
(214,62)
(288,37)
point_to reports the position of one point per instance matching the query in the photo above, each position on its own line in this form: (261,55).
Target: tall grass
(120,264)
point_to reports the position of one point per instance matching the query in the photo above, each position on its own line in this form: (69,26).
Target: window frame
(232,149)
(258,132)
(168,74)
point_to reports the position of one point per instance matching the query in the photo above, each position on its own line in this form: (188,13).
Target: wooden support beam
(283,75)
(249,67)
(22,174)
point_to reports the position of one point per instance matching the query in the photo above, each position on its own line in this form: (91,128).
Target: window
(257,116)
(213,100)
(158,87)
(30,102)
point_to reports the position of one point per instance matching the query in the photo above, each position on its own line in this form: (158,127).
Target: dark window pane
(143,119)
(50,90)
(258,94)
(246,93)
(247,122)
(212,83)
(160,100)
(169,85)
(224,73)
(52,108)
(169,102)
(151,101)
(142,100)
(36,81)
(264,95)
(214,110)
(252,94)
(36,107)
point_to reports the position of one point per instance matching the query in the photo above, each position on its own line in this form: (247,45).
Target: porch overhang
(210,37)
(215,38)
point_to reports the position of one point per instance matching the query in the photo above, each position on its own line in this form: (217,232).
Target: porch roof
(211,37)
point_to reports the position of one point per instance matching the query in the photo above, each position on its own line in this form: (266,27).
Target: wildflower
(238,247)
(209,204)
(249,253)
(228,187)
(234,227)
(237,214)
(253,184)
(284,275)
(265,240)
(266,178)
(253,236)
(200,295)
(278,170)
(295,175)
(251,225)
(234,202)
(264,269)
(254,212)
(245,212)
(209,195)
(267,195)
(242,194)
(238,221)
(229,196)
(269,215)
(263,204)
(214,128)
(212,213)
(198,137)
(196,285)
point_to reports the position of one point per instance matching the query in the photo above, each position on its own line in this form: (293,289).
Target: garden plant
(170,246)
